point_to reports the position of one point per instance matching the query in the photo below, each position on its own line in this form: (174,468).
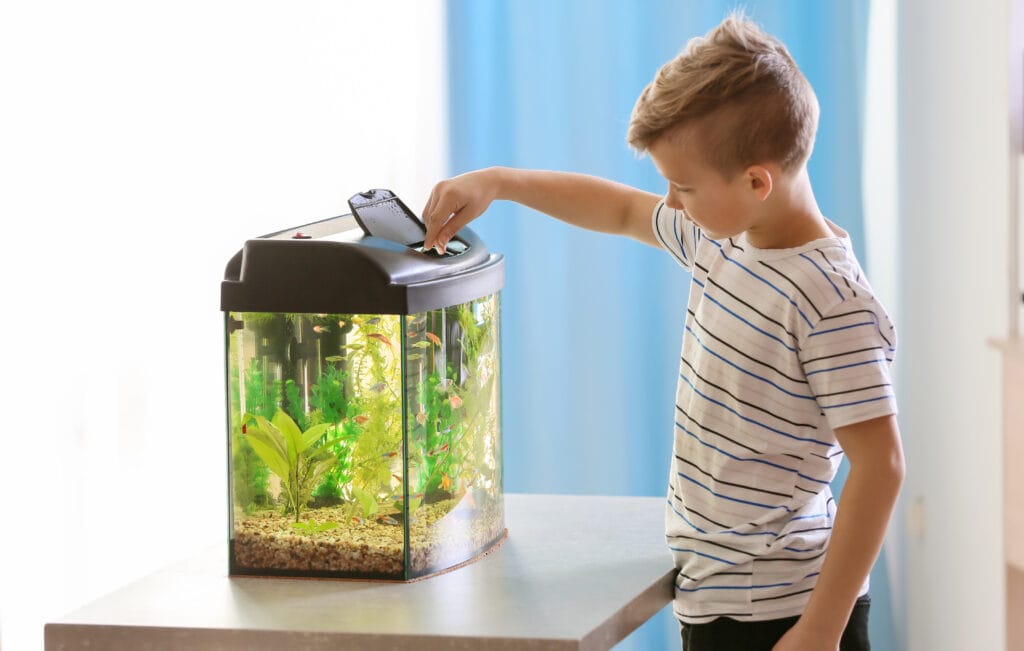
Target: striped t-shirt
(780,348)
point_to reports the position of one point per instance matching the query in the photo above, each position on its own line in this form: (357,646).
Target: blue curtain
(592,323)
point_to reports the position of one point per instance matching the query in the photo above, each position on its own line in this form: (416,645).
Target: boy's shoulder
(817,282)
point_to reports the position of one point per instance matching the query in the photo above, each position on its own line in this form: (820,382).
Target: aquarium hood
(369,261)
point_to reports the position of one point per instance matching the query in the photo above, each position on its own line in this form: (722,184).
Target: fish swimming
(437,451)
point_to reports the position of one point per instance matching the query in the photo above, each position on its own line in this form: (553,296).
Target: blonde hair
(741,85)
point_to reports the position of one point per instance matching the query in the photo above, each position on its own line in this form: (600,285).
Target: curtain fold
(592,323)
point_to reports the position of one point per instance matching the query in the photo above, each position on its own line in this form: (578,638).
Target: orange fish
(401,500)
(389,455)
(455,402)
(434,453)
(399,479)
(358,520)
(320,329)
(380,337)
(361,419)
(446,482)
(412,334)
(434,338)
(341,323)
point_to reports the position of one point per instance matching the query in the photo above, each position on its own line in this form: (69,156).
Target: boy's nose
(672,202)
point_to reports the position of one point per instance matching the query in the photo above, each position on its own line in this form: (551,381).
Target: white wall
(954,149)
(140,144)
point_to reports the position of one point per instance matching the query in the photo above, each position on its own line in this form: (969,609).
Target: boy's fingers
(436,221)
(430,219)
(462,217)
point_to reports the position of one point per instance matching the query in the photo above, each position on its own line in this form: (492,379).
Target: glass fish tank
(363,399)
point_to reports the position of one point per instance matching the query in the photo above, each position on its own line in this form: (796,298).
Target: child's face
(720,207)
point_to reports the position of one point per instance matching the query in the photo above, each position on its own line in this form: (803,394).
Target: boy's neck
(791,216)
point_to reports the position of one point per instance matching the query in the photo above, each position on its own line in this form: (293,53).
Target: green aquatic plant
(262,397)
(299,458)
(310,527)
(329,394)
(366,501)
(372,411)
(250,475)
(293,404)
(329,491)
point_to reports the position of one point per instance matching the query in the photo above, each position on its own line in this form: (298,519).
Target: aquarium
(363,394)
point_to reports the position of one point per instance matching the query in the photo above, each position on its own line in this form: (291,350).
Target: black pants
(725,634)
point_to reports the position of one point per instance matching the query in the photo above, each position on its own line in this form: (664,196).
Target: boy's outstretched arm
(586,201)
(876,473)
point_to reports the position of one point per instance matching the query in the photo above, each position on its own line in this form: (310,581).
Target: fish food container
(363,395)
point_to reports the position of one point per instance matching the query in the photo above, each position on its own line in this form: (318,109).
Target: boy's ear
(759,179)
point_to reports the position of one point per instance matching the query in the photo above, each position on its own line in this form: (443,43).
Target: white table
(575,573)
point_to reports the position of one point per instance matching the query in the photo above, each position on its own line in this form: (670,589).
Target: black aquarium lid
(370,261)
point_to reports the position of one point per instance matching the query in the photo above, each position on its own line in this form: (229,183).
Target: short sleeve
(847,358)
(675,233)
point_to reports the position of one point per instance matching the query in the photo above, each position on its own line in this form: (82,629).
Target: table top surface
(577,572)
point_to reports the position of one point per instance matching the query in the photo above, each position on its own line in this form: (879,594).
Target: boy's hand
(456,202)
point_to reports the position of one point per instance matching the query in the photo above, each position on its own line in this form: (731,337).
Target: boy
(785,355)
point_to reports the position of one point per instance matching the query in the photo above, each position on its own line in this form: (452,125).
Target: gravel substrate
(443,534)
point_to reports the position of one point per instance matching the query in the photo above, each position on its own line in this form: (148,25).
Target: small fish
(414,357)
(389,455)
(386,519)
(412,334)
(421,418)
(374,321)
(397,478)
(455,402)
(446,482)
(380,337)
(380,386)
(361,419)
(440,450)
(358,520)
(320,329)
(421,344)
(341,323)
(434,338)
(245,428)
(321,316)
